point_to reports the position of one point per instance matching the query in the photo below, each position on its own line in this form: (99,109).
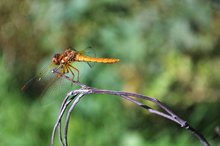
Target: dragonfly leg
(71,71)
(62,72)
(76,70)
(66,70)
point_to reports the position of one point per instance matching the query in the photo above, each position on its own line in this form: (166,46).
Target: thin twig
(84,90)
(79,96)
(60,125)
(64,105)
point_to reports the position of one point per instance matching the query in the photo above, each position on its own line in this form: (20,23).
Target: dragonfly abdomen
(82,58)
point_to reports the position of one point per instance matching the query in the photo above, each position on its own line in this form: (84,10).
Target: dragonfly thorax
(62,59)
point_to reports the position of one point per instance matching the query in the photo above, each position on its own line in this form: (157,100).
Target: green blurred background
(168,49)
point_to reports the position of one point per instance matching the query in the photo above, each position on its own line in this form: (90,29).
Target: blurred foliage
(168,49)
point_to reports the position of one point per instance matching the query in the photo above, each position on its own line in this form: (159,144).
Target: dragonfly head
(56,59)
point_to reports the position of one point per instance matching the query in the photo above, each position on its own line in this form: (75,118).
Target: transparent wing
(44,72)
(89,51)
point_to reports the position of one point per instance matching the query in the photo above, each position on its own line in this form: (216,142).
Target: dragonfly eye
(56,59)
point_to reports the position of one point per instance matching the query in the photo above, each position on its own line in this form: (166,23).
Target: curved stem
(67,100)
(84,90)
(68,117)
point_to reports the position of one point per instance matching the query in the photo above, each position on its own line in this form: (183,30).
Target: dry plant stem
(187,126)
(60,133)
(169,114)
(59,124)
(68,117)
(84,90)
(67,98)
(65,104)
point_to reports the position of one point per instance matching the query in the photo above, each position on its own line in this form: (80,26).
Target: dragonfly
(63,62)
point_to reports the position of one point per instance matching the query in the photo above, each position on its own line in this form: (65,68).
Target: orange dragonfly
(63,62)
